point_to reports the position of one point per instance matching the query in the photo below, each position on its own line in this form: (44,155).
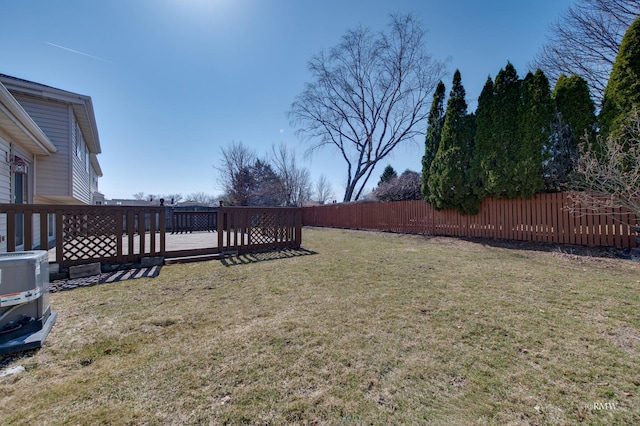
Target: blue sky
(173,81)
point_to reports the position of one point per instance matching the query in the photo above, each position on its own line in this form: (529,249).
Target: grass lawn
(372,329)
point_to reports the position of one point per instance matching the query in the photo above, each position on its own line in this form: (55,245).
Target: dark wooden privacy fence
(544,218)
(125,234)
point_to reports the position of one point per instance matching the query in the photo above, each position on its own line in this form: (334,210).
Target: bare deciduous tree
(324,190)
(400,188)
(235,163)
(168,198)
(369,94)
(585,41)
(201,197)
(609,176)
(295,181)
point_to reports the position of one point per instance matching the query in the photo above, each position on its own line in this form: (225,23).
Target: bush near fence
(544,218)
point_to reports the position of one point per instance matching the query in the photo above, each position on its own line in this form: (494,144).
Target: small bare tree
(234,171)
(400,188)
(369,94)
(168,198)
(324,190)
(295,181)
(609,176)
(585,41)
(201,197)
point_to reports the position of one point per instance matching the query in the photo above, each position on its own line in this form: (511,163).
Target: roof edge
(81,104)
(23,120)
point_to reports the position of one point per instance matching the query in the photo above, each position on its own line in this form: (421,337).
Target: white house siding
(31,177)
(6,192)
(5,169)
(52,117)
(80,155)
(5,187)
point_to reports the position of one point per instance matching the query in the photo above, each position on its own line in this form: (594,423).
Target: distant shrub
(403,188)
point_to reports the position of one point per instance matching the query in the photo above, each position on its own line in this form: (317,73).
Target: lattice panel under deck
(89,235)
(264,228)
(202,222)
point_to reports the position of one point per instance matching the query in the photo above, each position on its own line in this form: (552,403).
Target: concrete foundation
(80,271)
(147,262)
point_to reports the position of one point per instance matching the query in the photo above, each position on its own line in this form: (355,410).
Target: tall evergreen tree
(267,189)
(388,174)
(499,135)
(506,133)
(435,122)
(574,120)
(573,100)
(484,153)
(449,180)
(535,120)
(622,93)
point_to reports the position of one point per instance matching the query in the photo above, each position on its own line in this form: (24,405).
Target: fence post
(163,232)
(27,228)
(220,228)
(59,237)
(298,224)
(44,230)
(119,218)
(152,233)
(130,232)
(11,230)
(142,234)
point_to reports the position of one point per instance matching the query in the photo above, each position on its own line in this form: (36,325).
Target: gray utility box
(25,314)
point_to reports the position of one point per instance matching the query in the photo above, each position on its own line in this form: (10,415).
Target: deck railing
(78,234)
(82,234)
(193,221)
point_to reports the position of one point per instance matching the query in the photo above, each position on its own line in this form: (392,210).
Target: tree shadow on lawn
(244,259)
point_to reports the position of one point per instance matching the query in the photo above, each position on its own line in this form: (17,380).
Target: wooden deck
(174,242)
(88,234)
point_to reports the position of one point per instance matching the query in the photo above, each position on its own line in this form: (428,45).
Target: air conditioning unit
(25,314)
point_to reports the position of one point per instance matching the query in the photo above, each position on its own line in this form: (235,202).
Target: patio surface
(173,242)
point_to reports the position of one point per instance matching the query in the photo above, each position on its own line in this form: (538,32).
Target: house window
(77,138)
(20,196)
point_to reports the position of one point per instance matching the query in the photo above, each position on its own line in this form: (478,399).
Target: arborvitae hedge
(484,154)
(535,117)
(574,121)
(573,101)
(622,93)
(498,153)
(449,180)
(435,122)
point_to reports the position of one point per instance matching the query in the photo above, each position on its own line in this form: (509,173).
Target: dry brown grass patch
(373,329)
